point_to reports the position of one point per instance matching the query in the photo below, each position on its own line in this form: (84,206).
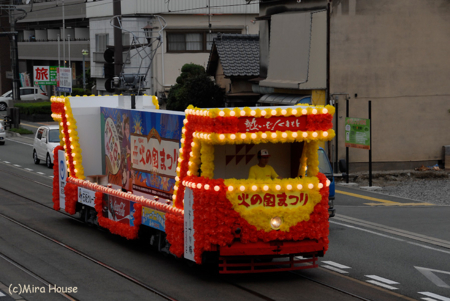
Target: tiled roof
(238,53)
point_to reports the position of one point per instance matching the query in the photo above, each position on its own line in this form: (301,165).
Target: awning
(284,99)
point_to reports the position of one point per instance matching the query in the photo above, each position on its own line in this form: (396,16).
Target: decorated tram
(181,180)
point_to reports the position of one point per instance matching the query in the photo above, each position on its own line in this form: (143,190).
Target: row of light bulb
(243,188)
(252,113)
(263,135)
(58,99)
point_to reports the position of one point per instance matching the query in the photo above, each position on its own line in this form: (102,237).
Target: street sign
(9,74)
(45,75)
(357,132)
(64,80)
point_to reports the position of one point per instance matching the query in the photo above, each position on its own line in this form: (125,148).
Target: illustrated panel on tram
(141,151)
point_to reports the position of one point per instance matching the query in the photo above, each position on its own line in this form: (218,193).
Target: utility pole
(14,54)
(118,49)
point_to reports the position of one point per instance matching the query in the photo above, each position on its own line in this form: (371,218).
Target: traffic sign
(64,80)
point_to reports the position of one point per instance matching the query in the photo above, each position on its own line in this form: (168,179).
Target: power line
(169,11)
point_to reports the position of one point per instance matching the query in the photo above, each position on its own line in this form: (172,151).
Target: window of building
(200,41)
(101,40)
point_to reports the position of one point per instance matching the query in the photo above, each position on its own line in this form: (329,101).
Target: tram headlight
(276,222)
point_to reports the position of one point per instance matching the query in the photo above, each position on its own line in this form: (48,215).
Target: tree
(194,87)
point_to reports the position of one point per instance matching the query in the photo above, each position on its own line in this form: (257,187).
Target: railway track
(125,276)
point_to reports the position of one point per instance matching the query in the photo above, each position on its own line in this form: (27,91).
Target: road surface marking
(435,296)
(12,140)
(387,281)
(433,277)
(400,204)
(366,197)
(386,229)
(383,202)
(29,169)
(6,162)
(30,125)
(338,265)
(382,284)
(2,295)
(41,173)
(17,165)
(427,247)
(373,232)
(329,267)
(428,299)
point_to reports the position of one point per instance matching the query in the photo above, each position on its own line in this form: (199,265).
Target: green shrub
(34,108)
(21,131)
(80,92)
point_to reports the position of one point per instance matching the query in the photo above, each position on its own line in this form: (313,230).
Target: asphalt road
(383,246)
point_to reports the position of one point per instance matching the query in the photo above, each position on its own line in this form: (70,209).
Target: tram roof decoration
(261,125)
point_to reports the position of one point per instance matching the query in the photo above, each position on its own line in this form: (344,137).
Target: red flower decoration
(320,122)
(71,195)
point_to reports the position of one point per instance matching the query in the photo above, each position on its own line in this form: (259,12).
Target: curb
(12,134)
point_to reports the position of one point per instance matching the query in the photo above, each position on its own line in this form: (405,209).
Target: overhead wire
(162,12)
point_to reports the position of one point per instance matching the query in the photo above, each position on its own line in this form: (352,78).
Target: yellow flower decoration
(300,202)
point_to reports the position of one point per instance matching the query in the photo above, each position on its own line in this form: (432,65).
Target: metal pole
(346,148)
(68,37)
(118,52)
(370,143)
(336,115)
(64,34)
(59,56)
(84,76)
(59,61)
(14,57)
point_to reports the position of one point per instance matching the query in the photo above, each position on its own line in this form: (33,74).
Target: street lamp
(148,31)
(84,52)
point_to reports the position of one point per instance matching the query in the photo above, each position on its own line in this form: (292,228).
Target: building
(187,37)
(393,53)
(39,31)
(234,61)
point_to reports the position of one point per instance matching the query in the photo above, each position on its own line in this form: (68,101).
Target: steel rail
(84,255)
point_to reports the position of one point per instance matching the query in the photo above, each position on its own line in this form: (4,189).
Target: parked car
(45,140)
(26,93)
(2,134)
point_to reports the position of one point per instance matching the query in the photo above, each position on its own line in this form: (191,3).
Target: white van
(45,140)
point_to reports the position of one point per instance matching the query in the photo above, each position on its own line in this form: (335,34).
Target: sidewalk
(391,178)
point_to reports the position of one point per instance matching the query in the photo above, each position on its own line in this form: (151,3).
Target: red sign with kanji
(272,124)
(291,199)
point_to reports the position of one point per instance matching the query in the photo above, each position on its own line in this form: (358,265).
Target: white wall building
(187,38)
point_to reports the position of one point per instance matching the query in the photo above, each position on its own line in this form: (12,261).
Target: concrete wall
(220,79)
(394,53)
